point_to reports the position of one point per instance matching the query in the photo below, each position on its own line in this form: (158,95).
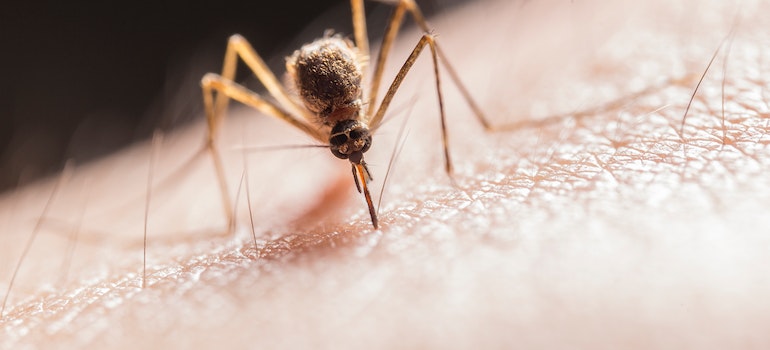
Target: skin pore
(611,228)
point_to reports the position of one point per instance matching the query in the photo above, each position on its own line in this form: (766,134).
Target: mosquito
(328,75)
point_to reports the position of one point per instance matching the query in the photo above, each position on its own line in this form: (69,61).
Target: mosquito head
(350,139)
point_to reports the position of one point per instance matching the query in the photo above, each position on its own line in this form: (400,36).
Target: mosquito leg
(238,46)
(465,93)
(219,168)
(359,26)
(213,82)
(226,89)
(414,10)
(216,106)
(387,42)
(426,39)
(390,35)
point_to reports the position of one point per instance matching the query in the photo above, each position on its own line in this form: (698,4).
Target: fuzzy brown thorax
(327,75)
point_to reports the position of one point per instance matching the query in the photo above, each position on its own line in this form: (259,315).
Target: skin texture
(609,229)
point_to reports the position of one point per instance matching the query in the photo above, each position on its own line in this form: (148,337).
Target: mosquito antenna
(65,175)
(157,139)
(275,147)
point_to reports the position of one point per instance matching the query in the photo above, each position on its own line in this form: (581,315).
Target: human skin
(613,228)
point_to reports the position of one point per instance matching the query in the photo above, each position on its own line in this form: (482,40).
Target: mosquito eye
(336,152)
(367,144)
(338,140)
(355,134)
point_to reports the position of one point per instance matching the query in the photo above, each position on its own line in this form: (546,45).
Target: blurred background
(82,80)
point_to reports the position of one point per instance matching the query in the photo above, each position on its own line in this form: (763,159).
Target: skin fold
(609,226)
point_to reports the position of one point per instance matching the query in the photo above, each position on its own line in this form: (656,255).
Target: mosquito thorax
(350,139)
(327,75)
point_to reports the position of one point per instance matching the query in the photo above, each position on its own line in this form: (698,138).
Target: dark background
(82,80)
